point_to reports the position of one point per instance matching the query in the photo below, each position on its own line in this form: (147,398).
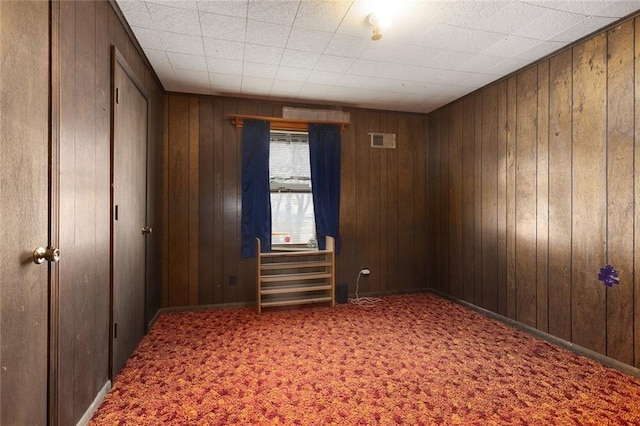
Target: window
(292,217)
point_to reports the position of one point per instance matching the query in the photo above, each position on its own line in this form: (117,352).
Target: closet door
(24,211)
(129,211)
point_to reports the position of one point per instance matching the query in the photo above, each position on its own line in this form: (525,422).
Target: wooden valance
(279,123)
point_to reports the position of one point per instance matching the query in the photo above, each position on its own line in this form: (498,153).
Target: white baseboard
(95,404)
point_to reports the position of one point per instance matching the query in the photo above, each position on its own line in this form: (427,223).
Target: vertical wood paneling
(560,207)
(347,266)
(217,191)
(542,195)
(82,48)
(399,229)
(548,193)
(488,213)
(620,172)
(231,145)
(384,207)
(477,200)
(588,244)
(394,200)
(455,202)
(511,196)
(420,159)
(363,191)
(501,279)
(526,163)
(434,251)
(101,331)
(468,197)
(178,199)
(206,262)
(379,201)
(443,241)
(85,205)
(374,281)
(193,193)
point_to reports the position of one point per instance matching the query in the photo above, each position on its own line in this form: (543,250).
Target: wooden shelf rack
(296,277)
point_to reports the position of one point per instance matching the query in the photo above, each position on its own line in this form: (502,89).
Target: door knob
(146,230)
(40,254)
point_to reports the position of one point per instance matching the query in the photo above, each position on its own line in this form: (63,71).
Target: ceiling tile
(541,50)
(460,39)
(182,4)
(267,34)
(549,24)
(324,77)
(181,43)
(136,12)
(225,83)
(321,50)
(165,73)
(262,54)
(292,74)
(180,61)
(513,16)
(223,27)
(195,81)
(582,28)
(158,58)
(510,46)
(225,49)
(224,66)
(286,88)
(254,69)
(275,11)
(308,40)
(173,19)
(321,15)
(224,7)
(299,59)
(148,38)
(345,45)
(334,63)
(618,9)
(477,63)
(591,7)
(314,90)
(507,66)
(256,85)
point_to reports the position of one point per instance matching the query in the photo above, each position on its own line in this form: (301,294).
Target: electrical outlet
(365,271)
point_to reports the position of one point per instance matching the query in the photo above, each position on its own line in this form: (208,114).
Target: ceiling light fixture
(373,20)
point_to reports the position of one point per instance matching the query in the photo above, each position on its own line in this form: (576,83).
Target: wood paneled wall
(81,48)
(382,215)
(532,188)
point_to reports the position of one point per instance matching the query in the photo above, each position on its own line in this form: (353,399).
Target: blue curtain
(256,197)
(324,155)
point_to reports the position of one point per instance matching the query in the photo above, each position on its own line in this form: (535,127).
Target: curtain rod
(279,123)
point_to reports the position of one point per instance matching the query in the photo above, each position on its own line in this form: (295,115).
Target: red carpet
(413,359)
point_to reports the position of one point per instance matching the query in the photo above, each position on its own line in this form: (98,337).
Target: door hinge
(117,95)
(115,330)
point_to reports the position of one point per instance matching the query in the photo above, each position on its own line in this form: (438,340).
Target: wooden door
(129,212)
(24,211)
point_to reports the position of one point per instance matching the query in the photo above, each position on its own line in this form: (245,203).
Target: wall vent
(383,140)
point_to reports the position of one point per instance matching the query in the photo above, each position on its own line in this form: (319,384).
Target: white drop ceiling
(432,52)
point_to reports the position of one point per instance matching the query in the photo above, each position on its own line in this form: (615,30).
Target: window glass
(292,219)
